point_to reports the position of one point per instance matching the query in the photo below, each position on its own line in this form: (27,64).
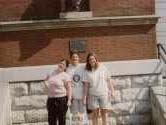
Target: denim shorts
(95,102)
(77,106)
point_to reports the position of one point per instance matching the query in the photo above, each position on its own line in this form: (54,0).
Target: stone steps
(164,81)
(158,100)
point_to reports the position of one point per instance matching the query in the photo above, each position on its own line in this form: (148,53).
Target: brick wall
(43,47)
(48,9)
(122,7)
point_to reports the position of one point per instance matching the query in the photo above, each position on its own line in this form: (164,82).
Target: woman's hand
(113,95)
(83,100)
(69,102)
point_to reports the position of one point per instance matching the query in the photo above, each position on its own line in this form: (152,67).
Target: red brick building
(118,30)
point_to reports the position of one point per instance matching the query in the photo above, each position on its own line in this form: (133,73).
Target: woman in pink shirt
(58,85)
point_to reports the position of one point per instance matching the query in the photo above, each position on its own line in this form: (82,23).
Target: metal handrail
(161,52)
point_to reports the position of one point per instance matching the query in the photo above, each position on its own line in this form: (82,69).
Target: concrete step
(164,81)
(39,123)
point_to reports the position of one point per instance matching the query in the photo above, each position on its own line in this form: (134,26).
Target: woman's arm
(85,92)
(46,83)
(111,88)
(69,92)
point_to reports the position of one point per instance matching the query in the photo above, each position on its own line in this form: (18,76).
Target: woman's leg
(52,111)
(62,118)
(95,116)
(104,116)
(62,106)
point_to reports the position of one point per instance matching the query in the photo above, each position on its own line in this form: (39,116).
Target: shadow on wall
(32,42)
(32,45)
(42,9)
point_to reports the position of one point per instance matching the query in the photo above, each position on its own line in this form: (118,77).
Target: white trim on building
(160,6)
(116,68)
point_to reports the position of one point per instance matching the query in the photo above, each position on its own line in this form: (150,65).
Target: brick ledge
(81,22)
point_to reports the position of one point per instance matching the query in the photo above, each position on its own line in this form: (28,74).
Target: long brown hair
(88,66)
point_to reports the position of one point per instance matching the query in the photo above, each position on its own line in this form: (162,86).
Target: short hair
(73,52)
(66,61)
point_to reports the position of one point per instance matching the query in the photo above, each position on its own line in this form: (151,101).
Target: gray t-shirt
(76,73)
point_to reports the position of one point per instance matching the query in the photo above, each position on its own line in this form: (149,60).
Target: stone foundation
(132,98)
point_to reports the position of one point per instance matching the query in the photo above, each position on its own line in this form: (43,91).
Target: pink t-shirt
(57,84)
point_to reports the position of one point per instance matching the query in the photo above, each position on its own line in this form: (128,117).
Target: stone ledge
(39,123)
(158,100)
(67,15)
(158,94)
(81,22)
(159,90)
(116,68)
